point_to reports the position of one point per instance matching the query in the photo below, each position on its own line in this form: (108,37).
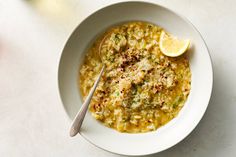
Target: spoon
(78,120)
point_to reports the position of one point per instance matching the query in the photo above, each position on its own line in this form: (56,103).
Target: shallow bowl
(169,134)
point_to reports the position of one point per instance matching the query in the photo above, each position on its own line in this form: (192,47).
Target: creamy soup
(141,89)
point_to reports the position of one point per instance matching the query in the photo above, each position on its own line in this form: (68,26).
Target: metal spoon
(78,120)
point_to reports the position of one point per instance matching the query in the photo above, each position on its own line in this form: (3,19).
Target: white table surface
(33,122)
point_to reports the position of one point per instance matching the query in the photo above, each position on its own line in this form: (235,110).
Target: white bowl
(174,131)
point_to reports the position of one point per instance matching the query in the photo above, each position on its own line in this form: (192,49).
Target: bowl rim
(141,2)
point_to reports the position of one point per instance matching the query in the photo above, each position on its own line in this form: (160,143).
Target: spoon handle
(78,120)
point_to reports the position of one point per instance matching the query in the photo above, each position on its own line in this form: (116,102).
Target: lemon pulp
(172,46)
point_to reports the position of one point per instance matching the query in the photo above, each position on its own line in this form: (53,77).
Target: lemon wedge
(172,46)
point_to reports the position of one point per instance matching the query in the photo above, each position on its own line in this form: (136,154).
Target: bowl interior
(176,129)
